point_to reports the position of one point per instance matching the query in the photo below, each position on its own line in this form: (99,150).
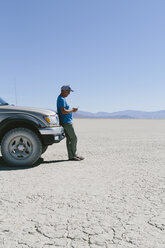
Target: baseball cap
(66,87)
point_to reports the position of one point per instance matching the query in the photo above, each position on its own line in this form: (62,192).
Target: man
(65,116)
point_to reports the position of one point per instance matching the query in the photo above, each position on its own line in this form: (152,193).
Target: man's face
(65,93)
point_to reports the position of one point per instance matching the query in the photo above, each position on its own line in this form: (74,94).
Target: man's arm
(68,111)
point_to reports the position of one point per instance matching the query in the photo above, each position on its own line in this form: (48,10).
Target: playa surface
(115,198)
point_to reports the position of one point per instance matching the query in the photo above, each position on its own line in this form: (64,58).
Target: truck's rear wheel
(21,146)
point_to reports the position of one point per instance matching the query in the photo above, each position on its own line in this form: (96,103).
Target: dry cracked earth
(115,198)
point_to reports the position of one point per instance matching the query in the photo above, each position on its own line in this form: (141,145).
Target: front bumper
(52,135)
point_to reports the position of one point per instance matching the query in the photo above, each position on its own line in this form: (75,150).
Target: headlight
(52,119)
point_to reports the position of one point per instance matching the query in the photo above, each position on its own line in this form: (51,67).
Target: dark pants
(71,140)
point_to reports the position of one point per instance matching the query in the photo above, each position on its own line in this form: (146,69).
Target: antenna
(15,88)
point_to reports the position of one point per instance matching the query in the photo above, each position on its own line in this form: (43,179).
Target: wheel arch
(15,123)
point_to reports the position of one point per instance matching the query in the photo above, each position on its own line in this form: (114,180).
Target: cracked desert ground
(115,198)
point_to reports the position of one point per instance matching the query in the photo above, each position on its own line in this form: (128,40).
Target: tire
(21,147)
(44,148)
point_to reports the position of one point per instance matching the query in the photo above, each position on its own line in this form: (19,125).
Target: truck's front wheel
(21,146)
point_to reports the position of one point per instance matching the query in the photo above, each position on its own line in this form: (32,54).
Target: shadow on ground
(5,167)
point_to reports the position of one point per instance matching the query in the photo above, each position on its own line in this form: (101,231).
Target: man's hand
(67,111)
(74,109)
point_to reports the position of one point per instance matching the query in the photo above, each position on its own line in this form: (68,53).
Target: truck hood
(16,109)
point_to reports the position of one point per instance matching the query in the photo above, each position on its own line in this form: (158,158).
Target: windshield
(2,102)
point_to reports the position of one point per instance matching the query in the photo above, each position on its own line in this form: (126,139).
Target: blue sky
(111,52)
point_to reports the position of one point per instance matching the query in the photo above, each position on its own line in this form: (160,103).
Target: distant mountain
(127,114)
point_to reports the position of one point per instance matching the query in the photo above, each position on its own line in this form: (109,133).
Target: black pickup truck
(25,133)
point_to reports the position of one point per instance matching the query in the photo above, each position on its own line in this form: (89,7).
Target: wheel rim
(20,147)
